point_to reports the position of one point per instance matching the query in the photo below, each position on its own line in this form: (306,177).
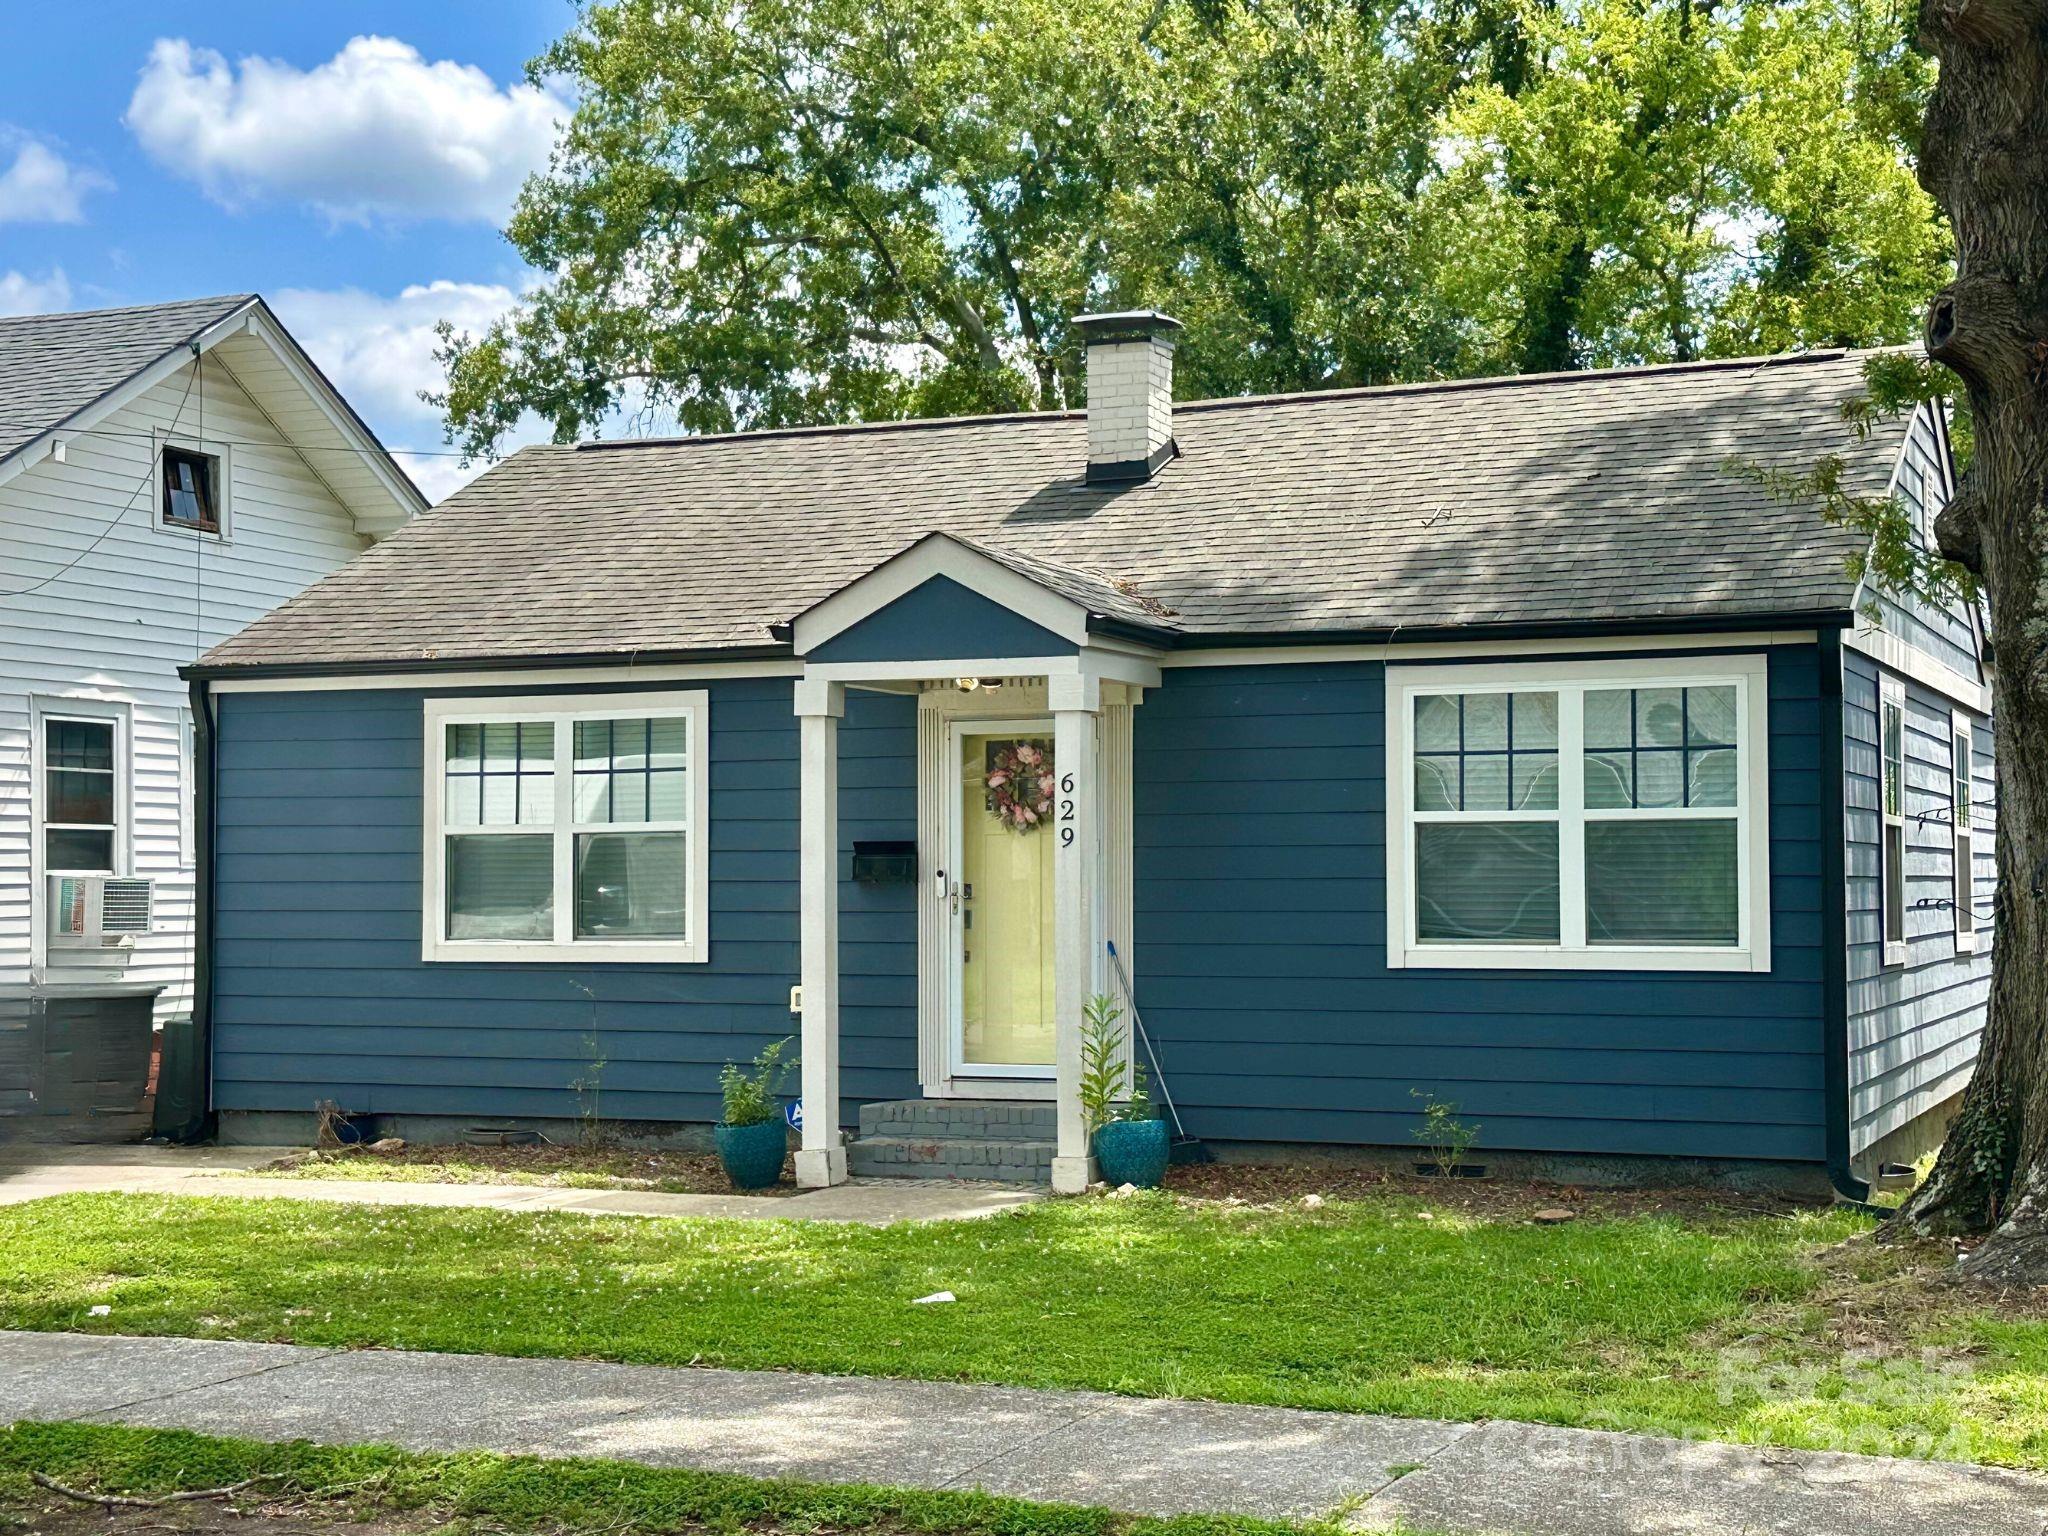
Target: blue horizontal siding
(1260,941)
(1261,951)
(319,991)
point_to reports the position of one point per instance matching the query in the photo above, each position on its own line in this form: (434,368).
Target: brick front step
(954,1139)
(972,1119)
(899,1157)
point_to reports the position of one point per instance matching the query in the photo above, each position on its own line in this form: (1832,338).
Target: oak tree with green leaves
(769,212)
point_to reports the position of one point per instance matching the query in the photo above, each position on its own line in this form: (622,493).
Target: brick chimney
(1130,394)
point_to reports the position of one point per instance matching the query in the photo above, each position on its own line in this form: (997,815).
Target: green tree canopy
(772,212)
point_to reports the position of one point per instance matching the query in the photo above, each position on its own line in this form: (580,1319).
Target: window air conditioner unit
(98,911)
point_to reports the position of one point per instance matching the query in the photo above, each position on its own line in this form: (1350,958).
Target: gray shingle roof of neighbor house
(1530,502)
(54,366)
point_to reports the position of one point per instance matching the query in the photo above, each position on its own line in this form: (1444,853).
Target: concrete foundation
(1910,1142)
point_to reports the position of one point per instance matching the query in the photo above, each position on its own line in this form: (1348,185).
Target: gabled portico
(1005,653)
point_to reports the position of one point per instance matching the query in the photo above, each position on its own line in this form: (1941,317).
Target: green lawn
(1726,1327)
(373,1485)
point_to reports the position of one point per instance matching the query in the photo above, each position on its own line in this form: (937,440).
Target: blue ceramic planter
(752,1154)
(1131,1152)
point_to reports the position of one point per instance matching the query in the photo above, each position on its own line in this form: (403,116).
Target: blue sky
(350,162)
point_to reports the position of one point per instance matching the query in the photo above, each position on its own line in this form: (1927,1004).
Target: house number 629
(1067,810)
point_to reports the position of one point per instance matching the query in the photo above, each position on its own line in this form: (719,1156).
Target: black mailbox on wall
(885,863)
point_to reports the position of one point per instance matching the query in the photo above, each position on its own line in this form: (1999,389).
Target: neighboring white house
(168,474)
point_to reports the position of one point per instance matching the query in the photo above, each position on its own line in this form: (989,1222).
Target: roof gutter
(200,671)
(1834,929)
(1828,620)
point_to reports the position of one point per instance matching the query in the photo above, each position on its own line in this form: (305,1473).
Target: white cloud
(21,294)
(378,351)
(376,131)
(40,186)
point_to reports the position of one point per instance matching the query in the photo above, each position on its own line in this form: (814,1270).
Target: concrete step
(950,1157)
(960,1119)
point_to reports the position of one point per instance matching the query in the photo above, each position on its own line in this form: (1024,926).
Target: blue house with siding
(1491,739)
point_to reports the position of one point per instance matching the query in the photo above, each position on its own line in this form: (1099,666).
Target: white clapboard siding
(139,603)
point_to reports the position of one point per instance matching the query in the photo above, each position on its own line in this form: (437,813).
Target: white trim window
(1963,873)
(567,828)
(1596,815)
(81,798)
(1891,857)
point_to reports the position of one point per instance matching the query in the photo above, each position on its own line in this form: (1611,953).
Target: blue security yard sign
(793,1112)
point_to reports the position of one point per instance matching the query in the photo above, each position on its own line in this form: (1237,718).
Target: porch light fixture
(975,684)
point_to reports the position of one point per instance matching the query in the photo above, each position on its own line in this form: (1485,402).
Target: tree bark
(1984,158)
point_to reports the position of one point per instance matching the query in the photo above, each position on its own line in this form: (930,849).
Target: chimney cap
(1126,325)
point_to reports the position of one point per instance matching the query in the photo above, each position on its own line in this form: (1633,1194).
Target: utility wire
(239,442)
(148,479)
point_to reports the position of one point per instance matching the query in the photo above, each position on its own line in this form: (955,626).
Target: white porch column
(1078,909)
(819,705)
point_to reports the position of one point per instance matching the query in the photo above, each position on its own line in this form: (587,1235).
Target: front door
(1000,904)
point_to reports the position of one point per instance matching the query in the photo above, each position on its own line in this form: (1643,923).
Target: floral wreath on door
(1020,785)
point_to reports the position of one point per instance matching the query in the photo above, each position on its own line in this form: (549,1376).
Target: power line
(242,442)
(148,479)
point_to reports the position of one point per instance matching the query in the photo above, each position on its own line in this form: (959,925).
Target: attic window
(191,490)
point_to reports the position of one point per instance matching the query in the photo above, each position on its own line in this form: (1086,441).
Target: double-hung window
(567,828)
(1891,746)
(82,794)
(1964,874)
(1589,815)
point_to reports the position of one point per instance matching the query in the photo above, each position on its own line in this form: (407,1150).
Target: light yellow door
(1005,928)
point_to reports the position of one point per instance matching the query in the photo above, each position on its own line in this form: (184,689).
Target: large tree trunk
(1985,159)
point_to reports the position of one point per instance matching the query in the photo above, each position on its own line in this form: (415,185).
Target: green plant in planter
(1443,1134)
(751,1137)
(1130,1144)
(750,1097)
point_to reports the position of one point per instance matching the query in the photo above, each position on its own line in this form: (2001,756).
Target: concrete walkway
(32,1172)
(1144,1456)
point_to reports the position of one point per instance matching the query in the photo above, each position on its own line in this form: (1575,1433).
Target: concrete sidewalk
(1140,1455)
(32,1172)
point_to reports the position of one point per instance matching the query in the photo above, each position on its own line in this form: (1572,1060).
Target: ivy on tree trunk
(1984,158)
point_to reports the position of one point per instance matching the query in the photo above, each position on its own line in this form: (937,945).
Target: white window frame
(223,455)
(1962,737)
(1571,680)
(1891,694)
(90,712)
(563,711)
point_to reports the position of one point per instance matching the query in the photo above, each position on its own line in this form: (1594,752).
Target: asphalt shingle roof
(54,366)
(1588,497)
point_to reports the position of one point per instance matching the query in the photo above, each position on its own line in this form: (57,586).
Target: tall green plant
(1104,1071)
(750,1096)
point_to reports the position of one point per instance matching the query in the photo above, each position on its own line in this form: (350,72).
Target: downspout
(204,774)
(1834,926)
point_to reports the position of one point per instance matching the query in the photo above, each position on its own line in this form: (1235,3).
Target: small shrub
(750,1097)
(1446,1137)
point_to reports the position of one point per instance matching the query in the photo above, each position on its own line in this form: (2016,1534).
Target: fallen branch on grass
(133,1501)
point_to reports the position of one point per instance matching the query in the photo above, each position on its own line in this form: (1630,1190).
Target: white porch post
(1078,909)
(819,705)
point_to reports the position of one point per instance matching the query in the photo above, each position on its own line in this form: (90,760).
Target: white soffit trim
(249,320)
(133,388)
(1893,653)
(937,555)
(1402,651)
